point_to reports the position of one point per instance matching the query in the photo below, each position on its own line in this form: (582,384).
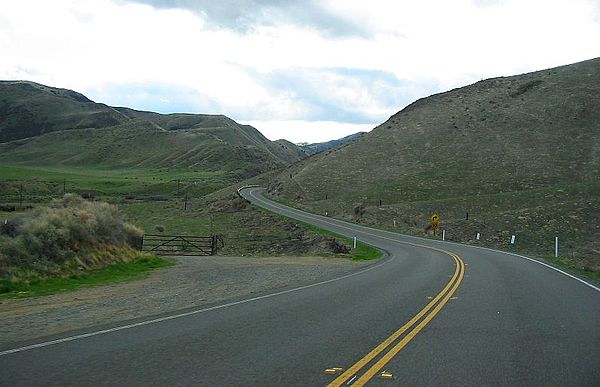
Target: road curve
(430,313)
(513,321)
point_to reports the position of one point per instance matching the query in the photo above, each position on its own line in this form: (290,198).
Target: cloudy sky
(301,70)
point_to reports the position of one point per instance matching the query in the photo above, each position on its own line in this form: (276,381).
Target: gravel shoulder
(192,282)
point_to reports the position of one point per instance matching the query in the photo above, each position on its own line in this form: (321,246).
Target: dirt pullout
(193,282)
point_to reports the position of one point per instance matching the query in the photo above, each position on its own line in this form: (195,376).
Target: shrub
(60,231)
(12,252)
(10,228)
(48,235)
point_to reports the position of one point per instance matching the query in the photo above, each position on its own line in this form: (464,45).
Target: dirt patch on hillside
(193,282)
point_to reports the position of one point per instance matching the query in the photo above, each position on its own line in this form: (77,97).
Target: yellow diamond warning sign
(435,221)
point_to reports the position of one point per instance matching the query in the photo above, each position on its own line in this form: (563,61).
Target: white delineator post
(556,247)
(443,235)
(354,243)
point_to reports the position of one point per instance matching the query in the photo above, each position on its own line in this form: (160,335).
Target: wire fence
(17,195)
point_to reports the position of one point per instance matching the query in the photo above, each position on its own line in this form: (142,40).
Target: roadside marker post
(443,235)
(354,243)
(478,236)
(555,247)
(513,240)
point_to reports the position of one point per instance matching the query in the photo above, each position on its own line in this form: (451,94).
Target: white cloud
(428,45)
(298,131)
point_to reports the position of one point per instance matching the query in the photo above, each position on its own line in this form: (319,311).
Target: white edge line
(538,262)
(445,242)
(172,317)
(186,314)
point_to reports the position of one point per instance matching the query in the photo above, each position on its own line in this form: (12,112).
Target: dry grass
(71,235)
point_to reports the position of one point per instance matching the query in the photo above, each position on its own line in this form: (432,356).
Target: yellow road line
(398,347)
(436,304)
(445,295)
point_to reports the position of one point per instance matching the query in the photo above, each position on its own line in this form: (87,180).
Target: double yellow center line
(378,357)
(399,339)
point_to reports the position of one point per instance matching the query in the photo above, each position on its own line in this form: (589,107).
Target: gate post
(140,243)
(213,244)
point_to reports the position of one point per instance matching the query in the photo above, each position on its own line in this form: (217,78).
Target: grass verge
(117,272)
(363,251)
(571,266)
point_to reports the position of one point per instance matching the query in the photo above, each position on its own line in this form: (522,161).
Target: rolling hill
(40,124)
(319,147)
(516,155)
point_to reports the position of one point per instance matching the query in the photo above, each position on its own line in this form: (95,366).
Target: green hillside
(319,147)
(520,154)
(40,125)
(29,109)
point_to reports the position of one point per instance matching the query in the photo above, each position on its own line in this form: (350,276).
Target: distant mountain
(315,148)
(292,148)
(57,126)
(519,154)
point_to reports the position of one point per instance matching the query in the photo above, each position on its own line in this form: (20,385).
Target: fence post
(21,197)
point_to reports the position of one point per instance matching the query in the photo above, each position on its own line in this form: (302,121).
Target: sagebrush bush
(59,231)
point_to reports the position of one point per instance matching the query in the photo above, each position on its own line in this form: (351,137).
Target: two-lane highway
(513,320)
(430,313)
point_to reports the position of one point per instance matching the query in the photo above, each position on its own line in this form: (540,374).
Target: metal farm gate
(181,244)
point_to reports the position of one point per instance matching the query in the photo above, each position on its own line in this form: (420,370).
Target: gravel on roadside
(192,282)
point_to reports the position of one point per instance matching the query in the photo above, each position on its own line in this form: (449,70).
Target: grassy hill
(519,154)
(29,109)
(40,125)
(298,151)
(319,147)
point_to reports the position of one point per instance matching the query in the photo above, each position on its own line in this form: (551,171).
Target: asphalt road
(430,313)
